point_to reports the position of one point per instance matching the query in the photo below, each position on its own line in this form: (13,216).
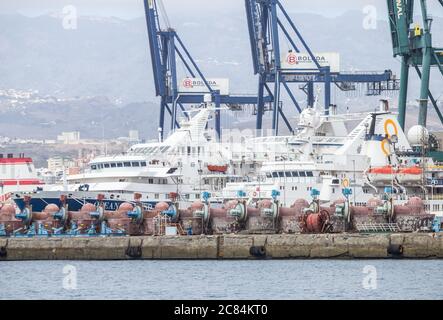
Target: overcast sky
(134,8)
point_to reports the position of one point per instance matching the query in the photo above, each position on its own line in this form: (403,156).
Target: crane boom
(414,46)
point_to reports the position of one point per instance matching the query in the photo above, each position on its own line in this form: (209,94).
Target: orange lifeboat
(382,170)
(411,170)
(216,168)
(410,175)
(381,174)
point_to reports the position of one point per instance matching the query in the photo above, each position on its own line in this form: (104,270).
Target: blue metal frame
(264,25)
(165,48)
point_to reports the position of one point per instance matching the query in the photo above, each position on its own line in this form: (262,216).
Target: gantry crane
(414,46)
(266,19)
(167,48)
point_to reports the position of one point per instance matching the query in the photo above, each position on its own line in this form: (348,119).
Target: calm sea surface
(264,279)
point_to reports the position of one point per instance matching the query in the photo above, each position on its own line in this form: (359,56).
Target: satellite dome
(418,135)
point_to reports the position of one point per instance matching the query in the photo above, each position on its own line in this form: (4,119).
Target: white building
(71,137)
(56,164)
(134,136)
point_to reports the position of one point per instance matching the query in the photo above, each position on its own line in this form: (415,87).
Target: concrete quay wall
(276,246)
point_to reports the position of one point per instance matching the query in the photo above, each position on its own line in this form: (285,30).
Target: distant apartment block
(71,137)
(56,164)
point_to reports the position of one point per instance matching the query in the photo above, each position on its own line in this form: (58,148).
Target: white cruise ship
(326,156)
(188,162)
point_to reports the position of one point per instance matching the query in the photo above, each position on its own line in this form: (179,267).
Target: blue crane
(166,49)
(414,46)
(266,20)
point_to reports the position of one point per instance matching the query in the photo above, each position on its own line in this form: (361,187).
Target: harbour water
(258,279)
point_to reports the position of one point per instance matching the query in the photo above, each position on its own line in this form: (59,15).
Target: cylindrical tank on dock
(412,216)
(262,217)
(289,218)
(8,219)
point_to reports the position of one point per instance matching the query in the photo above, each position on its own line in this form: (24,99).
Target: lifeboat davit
(216,168)
(410,174)
(381,174)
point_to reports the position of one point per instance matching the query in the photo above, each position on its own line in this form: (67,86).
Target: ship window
(119,164)
(113,165)
(281,174)
(268,175)
(143,163)
(156,196)
(150,181)
(302,174)
(127,164)
(288,174)
(309,173)
(93,167)
(100,166)
(136,164)
(275,174)
(295,173)
(106,165)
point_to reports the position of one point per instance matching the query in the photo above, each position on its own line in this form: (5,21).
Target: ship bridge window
(106,165)
(302,174)
(119,164)
(143,163)
(100,166)
(268,175)
(295,173)
(288,174)
(93,167)
(126,164)
(136,164)
(275,174)
(309,174)
(281,174)
(113,165)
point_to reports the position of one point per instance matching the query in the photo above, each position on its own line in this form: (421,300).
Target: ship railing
(377,227)
(434,197)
